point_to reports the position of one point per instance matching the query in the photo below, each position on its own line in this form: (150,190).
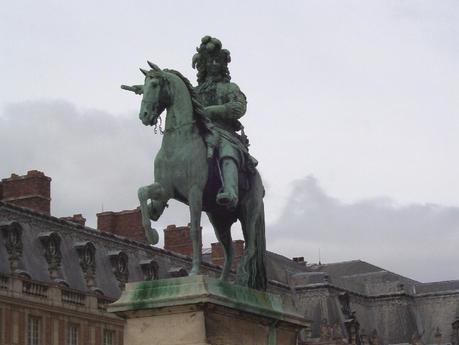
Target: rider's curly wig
(211,49)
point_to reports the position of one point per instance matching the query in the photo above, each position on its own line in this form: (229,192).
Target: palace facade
(58,275)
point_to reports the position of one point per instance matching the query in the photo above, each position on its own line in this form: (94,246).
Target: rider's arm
(232,110)
(237,104)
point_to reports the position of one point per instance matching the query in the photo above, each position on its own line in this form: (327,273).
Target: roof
(346,268)
(443,286)
(107,246)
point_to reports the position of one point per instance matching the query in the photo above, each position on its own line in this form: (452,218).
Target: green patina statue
(203,161)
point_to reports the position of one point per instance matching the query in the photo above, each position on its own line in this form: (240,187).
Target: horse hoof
(152,236)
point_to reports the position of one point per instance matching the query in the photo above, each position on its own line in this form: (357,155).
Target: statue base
(200,310)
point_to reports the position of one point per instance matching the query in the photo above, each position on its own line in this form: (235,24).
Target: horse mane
(201,118)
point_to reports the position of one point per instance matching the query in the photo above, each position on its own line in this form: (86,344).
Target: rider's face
(214,68)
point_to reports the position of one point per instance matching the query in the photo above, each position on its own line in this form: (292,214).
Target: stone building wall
(57,311)
(60,274)
(437,312)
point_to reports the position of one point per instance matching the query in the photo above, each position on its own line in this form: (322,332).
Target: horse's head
(156,95)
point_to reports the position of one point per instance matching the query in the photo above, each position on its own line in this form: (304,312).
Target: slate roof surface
(279,267)
(364,278)
(443,286)
(357,276)
(33,260)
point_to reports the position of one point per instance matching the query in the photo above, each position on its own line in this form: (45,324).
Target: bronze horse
(184,171)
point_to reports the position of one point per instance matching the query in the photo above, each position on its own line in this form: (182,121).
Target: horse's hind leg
(195,202)
(222,227)
(155,192)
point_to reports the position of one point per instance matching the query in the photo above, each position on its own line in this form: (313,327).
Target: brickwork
(61,331)
(299,260)
(98,336)
(76,218)
(126,223)
(53,317)
(218,253)
(21,327)
(120,338)
(32,191)
(8,325)
(48,330)
(178,239)
(85,331)
(317,295)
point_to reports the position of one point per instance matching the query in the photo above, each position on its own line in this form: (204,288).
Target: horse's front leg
(195,202)
(155,192)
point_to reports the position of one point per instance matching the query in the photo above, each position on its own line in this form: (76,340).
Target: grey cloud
(96,160)
(351,88)
(99,160)
(417,240)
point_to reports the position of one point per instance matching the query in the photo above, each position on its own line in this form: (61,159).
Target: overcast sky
(353,114)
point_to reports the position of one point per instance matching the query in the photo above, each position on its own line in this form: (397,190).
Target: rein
(169,130)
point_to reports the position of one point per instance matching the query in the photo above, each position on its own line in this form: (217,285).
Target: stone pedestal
(200,310)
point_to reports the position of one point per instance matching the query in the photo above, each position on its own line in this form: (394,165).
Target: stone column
(200,310)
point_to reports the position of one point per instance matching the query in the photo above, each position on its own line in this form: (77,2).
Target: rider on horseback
(224,104)
(199,122)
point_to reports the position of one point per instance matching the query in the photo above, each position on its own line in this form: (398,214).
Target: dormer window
(51,242)
(87,254)
(12,234)
(119,261)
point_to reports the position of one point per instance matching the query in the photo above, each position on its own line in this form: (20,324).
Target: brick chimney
(76,218)
(126,223)
(299,260)
(218,254)
(32,191)
(178,239)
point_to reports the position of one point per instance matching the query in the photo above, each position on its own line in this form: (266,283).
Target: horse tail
(260,280)
(251,270)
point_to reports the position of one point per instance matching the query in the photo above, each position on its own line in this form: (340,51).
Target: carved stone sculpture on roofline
(204,159)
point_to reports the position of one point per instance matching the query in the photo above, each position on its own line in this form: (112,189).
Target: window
(33,330)
(72,334)
(109,337)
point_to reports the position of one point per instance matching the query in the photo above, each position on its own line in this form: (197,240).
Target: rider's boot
(229,195)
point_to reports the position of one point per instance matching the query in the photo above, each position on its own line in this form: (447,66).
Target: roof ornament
(87,254)
(51,243)
(119,261)
(12,234)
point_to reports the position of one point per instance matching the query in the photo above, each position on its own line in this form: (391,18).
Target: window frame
(112,334)
(34,333)
(73,329)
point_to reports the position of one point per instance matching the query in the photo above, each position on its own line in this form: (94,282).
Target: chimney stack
(218,257)
(32,191)
(178,239)
(126,223)
(76,218)
(299,260)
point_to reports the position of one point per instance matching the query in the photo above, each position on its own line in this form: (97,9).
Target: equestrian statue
(204,159)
